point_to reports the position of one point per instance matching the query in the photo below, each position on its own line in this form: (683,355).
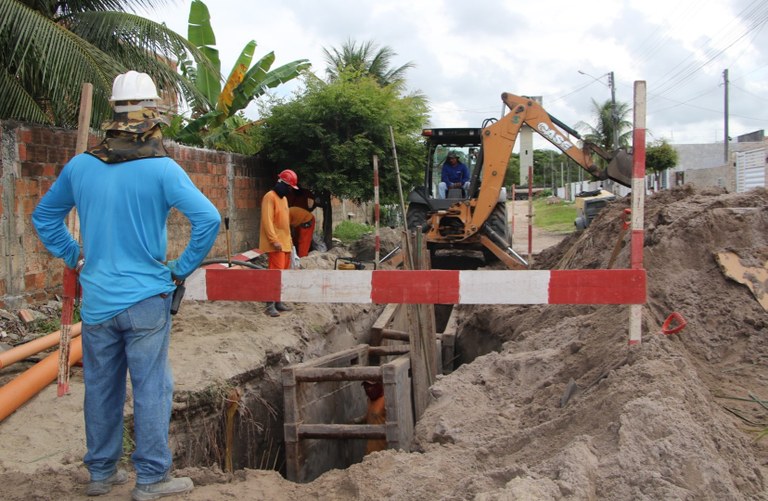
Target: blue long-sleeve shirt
(123,208)
(451,174)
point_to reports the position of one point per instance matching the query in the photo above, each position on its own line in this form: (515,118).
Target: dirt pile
(565,409)
(656,421)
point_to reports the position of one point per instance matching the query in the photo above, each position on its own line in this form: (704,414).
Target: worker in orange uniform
(303,198)
(302,229)
(376,414)
(275,234)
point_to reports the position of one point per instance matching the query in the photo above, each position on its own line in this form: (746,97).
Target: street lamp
(614,115)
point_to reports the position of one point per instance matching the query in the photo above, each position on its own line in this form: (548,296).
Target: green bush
(348,231)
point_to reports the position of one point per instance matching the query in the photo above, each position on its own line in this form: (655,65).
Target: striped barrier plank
(623,286)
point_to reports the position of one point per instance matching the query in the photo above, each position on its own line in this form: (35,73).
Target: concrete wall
(703,165)
(32,156)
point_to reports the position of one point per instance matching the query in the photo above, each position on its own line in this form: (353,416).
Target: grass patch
(348,231)
(46,325)
(555,217)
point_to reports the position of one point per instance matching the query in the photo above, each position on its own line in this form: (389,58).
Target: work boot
(271,310)
(166,487)
(280,306)
(101,487)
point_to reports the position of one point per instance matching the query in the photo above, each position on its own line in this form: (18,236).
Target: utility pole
(726,138)
(614,115)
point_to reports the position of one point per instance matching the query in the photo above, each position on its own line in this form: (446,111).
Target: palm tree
(366,59)
(601,133)
(48,48)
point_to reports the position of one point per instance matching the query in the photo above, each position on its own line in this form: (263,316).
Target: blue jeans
(136,342)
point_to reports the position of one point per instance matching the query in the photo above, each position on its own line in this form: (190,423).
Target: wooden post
(73,225)
(397,402)
(376,212)
(421,329)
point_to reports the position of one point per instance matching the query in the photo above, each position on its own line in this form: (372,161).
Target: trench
(239,424)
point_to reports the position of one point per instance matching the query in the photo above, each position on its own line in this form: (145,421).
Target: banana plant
(214,104)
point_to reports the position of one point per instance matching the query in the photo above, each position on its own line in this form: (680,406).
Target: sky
(466,53)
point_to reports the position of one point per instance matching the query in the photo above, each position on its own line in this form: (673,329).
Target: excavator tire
(499,223)
(416,215)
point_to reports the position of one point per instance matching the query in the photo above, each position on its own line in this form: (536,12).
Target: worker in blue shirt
(455,174)
(123,190)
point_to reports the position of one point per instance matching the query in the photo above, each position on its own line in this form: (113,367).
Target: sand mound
(565,409)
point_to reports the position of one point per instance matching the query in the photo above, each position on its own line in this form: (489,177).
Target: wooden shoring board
(299,398)
(302,432)
(421,327)
(448,339)
(381,323)
(398,403)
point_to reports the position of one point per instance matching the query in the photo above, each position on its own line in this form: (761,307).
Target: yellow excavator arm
(499,140)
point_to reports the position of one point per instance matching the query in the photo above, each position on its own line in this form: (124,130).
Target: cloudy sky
(466,53)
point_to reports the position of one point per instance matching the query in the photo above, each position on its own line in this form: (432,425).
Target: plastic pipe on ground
(25,350)
(34,379)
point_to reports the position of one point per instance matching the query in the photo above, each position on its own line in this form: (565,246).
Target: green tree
(49,48)
(512,175)
(601,133)
(660,156)
(330,133)
(217,120)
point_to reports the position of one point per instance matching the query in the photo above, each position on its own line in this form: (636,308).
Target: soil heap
(565,409)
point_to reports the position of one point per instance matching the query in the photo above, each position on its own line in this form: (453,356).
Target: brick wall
(32,156)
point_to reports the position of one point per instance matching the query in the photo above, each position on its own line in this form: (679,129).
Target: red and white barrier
(419,287)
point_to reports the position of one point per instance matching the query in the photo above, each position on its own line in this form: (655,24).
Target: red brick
(26,316)
(22,149)
(34,281)
(26,188)
(37,153)
(24,135)
(28,205)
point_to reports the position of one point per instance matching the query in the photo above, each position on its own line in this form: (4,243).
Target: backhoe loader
(477,219)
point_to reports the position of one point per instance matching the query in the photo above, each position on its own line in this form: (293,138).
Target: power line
(756,13)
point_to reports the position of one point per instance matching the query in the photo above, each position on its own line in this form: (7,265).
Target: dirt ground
(565,409)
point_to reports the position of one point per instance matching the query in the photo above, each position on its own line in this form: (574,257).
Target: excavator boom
(530,112)
(478,218)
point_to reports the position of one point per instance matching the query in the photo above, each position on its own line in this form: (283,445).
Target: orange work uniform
(377,414)
(275,228)
(302,227)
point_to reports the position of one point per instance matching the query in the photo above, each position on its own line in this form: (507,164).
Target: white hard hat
(133,86)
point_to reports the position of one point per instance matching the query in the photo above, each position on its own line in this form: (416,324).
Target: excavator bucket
(620,167)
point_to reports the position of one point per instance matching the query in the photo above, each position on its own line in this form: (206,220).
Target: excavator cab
(477,220)
(441,217)
(465,143)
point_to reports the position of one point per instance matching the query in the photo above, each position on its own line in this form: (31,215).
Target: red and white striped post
(377,237)
(638,205)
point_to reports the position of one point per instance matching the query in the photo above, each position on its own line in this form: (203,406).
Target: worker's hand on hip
(277,246)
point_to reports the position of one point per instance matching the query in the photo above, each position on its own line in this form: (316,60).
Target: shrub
(348,231)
